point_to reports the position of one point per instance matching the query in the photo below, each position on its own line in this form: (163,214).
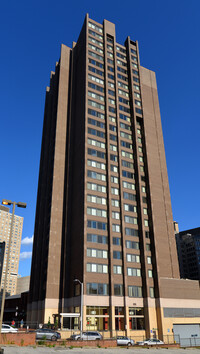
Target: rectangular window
(96,133)
(127,174)
(96,199)
(114,168)
(96,164)
(151,292)
(96,153)
(134,291)
(95,87)
(150,273)
(114,179)
(95,175)
(128,185)
(113,157)
(132,244)
(96,114)
(95,79)
(97,289)
(132,258)
(97,268)
(96,187)
(146,223)
(134,272)
(116,228)
(115,203)
(149,260)
(115,215)
(97,212)
(130,207)
(131,232)
(96,225)
(97,239)
(117,241)
(96,123)
(117,269)
(126,154)
(92,252)
(114,191)
(118,290)
(95,104)
(129,196)
(117,255)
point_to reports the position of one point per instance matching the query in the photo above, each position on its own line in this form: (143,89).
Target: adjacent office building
(5,224)
(188,247)
(103,212)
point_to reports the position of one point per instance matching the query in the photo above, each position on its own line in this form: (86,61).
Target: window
(96,79)
(150,273)
(131,232)
(137,95)
(95,87)
(125,126)
(91,252)
(95,27)
(123,93)
(141,168)
(121,56)
(151,292)
(114,179)
(113,157)
(96,153)
(96,187)
(117,255)
(113,137)
(97,212)
(147,234)
(96,49)
(118,290)
(112,119)
(123,100)
(128,185)
(95,175)
(95,41)
(148,247)
(129,207)
(126,154)
(124,117)
(136,87)
(136,79)
(129,196)
(132,258)
(97,238)
(113,147)
(110,92)
(143,189)
(130,219)
(133,51)
(133,272)
(114,168)
(144,199)
(122,77)
(95,34)
(124,109)
(114,191)
(135,291)
(115,203)
(115,215)
(96,56)
(96,123)
(126,145)
(117,269)
(96,225)
(127,174)
(132,244)
(125,135)
(149,260)
(146,222)
(96,164)
(97,289)
(116,228)
(96,114)
(96,199)
(97,268)
(96,132)
(96,96)
(95,70)
(117,241)
(112,128)
(95,104)
(111,101)
(138,110)
(141,159)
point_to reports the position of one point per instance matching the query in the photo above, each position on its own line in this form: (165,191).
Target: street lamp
(20,205)
(81,319)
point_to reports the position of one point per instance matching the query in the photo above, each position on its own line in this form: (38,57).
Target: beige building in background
(103,212)
(5,224)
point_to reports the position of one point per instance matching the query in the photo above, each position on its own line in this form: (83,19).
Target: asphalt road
(42,350)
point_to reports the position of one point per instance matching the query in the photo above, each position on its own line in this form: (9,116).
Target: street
(42,350)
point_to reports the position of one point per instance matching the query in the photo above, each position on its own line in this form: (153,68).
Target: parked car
(90,335)
(46,333)
(152,341)
(121,340)
(8,329)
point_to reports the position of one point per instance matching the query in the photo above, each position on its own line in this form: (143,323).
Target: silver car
(47,334)
(90,335)
(121,340)
(8,329)
(152,341)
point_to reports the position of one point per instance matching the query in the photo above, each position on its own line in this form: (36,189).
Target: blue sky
(31,34)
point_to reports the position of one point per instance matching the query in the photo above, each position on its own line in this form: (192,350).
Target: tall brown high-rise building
(103,209)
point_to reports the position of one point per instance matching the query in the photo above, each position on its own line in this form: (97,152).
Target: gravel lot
(39,350)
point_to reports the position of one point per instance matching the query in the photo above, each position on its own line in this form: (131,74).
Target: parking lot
(41,350)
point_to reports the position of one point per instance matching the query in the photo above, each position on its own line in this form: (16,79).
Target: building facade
(103,212)
(5,224)
(188,248)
